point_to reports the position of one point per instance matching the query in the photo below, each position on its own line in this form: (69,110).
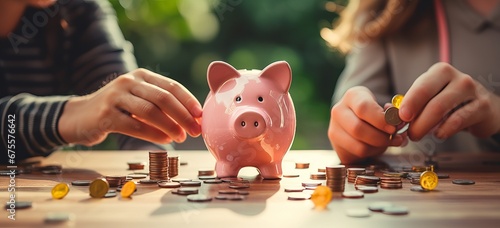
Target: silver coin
(19,205)
(358,213)
(110,194)
(294,189)
(392,116)
(214,181)
(167,184)
(58,217)
(298,196)
(198,198)
(353,194)
(379,206)
(148,181)
(403,129)
(137,176)
(207,177)
(190,183)
(463,182)
(81,183)
(395,210)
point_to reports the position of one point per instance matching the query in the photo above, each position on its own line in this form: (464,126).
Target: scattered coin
(198,198)
(353,194)
(148,181)
(243,193)
(186,191)
(418,188)
(235,197)
(228,191)
(180,179)
(311,183)
(98,188)
(366,189)
(428,180)
(358,213)
(128,189)
(463,182)
(392,116)
(321,197)
(207,177)
(318,176)
(221,197)
(60,190)
(294,189)
(231,179)
(234,185)
(214,181)
(443,176)
(135,165)
(379,206)
(395,210)
(301,165)
(110,194)
(168,184)
(81,182)
(19,205)
(206,172)
(183,163)
(298,196)
(291,175)
(190,183)
(137,176)
(58,217)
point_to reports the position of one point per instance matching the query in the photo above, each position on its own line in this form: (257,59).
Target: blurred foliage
(179,38)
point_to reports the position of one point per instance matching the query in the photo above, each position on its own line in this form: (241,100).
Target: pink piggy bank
(248,118)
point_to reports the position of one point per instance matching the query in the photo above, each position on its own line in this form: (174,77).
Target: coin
(321,197)
(183,163)
(243,193)
(231,179)
(206,172)
(81,182)
(168,184)
(235,197)
(221,197)
(180,179)
(185,191)
(443,176)
(463,182)
(396,100)
(128,189)
(290,175)
(428,180)
(418,188)
(215,181)
(148,181)
(60,190)
(395,210)
(318,176)
(379,206)
(298,196)
(110,194)
(311,183)
(392,116)
(198,198)
(403,129)
(190,183)
(358,213)
(228,191)
(98,188)
(137,176)
(19,205)
(206,177)
(238,185)
(58,217)
(301,165)
(294,189)
(366,189)
(135,165)
(353,194)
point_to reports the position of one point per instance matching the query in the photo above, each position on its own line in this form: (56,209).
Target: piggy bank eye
(261,99)
(238,99)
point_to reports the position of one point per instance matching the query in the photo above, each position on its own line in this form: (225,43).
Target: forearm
(29,126)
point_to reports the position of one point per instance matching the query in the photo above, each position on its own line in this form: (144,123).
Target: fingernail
(439,134)
(197,112)
(195,130)
(405,114)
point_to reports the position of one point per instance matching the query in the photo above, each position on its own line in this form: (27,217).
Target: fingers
(147,112)
(169,104)
(179,91)
(135,128)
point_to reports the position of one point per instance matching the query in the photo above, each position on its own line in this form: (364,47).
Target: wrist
(67,124)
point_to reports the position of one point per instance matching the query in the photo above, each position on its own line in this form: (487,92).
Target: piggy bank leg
(271,171)
(226,169)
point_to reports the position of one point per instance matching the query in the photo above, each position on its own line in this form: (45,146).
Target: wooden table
(449,205)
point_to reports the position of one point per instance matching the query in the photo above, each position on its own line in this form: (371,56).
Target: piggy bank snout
(249,124)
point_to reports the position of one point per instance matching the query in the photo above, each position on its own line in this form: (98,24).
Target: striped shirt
(71,48)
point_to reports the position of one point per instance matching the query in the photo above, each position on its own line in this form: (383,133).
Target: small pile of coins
(135,165)
(335,177)
(391,182)
(158,165)
(115,181)
(318,176)
(173,166)
(352,173)
(367,180)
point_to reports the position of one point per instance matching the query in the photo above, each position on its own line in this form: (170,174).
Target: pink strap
(444,44)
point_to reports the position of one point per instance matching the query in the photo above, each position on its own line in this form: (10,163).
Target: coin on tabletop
(167,184)
(353,194)
(228,191)
(379,206)
(395,210)
(358,212)
(110,194)
(298,196)
(128,189)
(294,189)
(235,197)
(321,197)
(428,180)
(301,165)
(392,116)
(19,205)
(58,217)
(81,182)
(198,198)
(60,190)
(98,188)
(396,100)
(213,181)
(463,182)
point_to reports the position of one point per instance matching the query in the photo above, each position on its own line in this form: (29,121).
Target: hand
(357,127)
(140,104)
(452,101)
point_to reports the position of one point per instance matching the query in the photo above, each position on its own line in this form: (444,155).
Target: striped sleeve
(29,126)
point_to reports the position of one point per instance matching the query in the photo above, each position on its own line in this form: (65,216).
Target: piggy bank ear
(280,73)
(218,73)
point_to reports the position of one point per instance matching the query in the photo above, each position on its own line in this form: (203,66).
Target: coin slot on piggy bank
(248,118)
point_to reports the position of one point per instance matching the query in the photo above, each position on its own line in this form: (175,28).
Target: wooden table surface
(449,205)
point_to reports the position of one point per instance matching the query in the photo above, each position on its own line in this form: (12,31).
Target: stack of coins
(158,165)
(206,172)
(173,166)
(318,176)
(115,181)
(391,182)
(335,177)
(352,173)
(367,180)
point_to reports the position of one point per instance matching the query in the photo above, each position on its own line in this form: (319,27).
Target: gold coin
(428,180)
(128,189)
(60,190)
(98,188)
(321,197)
(396,100)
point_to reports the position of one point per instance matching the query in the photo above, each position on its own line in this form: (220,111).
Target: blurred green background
(179,39)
